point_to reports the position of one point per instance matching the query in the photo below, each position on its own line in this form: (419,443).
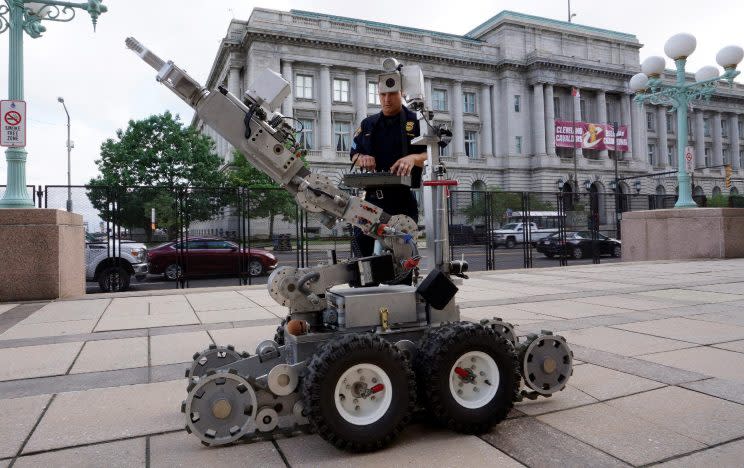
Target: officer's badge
(357,132)
(409,126)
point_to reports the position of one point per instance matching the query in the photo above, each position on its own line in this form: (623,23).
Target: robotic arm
(252,126)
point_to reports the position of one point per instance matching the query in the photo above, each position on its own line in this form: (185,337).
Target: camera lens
(390,82)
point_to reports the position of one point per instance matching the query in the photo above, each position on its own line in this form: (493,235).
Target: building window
(439,99)
(305,133)
(669,123)
(741,158)
(651,151)
(740,126)
(706,126)
(724,128)
(342,135)
(340,90)
(707,156)
(304,87)
(670,155)
(444,151)
(689,126)
(650,122)
(471,144)
(468,103)
(557,107)
(724,152)
(518,144)
(373,97)
(582,110)
(517,102)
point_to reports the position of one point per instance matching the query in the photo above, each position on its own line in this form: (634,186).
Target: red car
(208,256)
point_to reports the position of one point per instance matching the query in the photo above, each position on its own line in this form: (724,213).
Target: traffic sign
(13,123)
(689,159)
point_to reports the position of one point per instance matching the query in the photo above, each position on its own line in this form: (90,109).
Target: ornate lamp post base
(16,195)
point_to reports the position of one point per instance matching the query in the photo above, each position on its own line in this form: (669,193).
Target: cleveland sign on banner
(590,136)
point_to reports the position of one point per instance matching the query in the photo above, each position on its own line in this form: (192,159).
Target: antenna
(570,15)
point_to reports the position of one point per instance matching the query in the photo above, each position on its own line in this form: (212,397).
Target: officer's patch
(409,126)
(358,131)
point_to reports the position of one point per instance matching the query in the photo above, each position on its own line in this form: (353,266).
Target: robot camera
(390,64)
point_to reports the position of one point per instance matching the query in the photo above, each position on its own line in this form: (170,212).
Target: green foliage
(162,156)
(500,201)
(266,199)
(718,201)
(737,201)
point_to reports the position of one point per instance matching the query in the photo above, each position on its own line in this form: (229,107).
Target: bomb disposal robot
(353,362)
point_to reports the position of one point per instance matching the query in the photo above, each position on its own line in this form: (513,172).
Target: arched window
(716,191)
(734,191)
(477,188)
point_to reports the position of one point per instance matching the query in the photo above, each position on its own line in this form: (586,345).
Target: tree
(266,198)
(500,202)
(148,164)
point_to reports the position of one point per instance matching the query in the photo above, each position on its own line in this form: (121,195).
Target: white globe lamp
(680,46)
(706,73)
(638,82)
(730,56)
(653,66)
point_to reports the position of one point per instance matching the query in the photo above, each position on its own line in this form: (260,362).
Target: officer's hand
(403,166)
(366,162)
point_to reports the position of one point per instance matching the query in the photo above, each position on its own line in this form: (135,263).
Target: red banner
(590,136)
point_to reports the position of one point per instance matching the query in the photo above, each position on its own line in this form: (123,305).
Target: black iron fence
(214,236)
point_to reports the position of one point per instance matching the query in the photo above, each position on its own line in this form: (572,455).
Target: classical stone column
(538,118)
(577,118)
(717,140)
(661,137)
(457,127)
(224,148)
(699,138)
(602,114)
(360,100)
(496,121)
(325,129)
(626,118)
(484,108)
(428,98)
(734,146)
(549,120)
(288,104)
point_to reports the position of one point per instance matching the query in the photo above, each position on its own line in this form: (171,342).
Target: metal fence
(256,224)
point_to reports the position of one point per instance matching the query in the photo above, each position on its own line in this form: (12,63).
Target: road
(476,255)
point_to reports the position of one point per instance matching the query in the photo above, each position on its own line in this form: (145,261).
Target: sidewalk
(659,375)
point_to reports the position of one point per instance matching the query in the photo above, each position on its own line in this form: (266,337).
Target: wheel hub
(357,401)
(221,408)
(474,379)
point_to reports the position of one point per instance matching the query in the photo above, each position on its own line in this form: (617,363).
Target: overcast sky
(105,85)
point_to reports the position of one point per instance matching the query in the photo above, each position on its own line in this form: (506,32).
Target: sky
(105,85)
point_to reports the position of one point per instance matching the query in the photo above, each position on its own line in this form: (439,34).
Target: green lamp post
(17,16)
(649,88)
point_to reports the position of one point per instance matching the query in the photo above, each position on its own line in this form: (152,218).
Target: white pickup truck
(512,234)
(114,263)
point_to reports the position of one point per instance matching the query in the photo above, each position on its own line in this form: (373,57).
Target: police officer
(382,144)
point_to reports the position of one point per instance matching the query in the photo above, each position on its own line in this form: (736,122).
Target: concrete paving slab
(686,329)
(260,297)
(417,446)
(182,449)
(690,297)
(737,346)
(607,285)
(109,413)
(621,342)
(705,360)
(124,454)
(626,301)
(621,434)
(568,309)
(75,382)
(701,417)
(603,384)
(37,330)
(729,288)
(244,339)
(107,355)
(177,347)
(277,310)
(233,315)
(6,307)
(69,310)
(220,300)
(721,388)
(147,321)
(570,397)
(729,316)
(539,445)
(506,312)
(19,417)
(730,454)
(37,361)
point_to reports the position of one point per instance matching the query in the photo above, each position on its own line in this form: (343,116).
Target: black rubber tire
(617,251)
(279,335)
(577,253)
(438,352)
(113,279)
(510,243)
(319,385)
(176,267)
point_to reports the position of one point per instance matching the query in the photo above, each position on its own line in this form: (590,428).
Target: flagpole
(573,129)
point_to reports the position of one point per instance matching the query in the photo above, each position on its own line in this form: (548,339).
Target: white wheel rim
(351,387)
(255,267)
(472,391)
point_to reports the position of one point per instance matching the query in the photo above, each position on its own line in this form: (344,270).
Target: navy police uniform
(387,138)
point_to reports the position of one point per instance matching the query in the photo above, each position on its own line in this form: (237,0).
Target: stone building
(501,87)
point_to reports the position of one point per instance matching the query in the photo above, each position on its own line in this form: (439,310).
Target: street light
(649,87)
(69,148)
(17,16)
(560,184)
(637,186)
(588,184)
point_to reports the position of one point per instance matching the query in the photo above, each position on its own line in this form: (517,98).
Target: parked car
(512,234)
(203,256)
(461,234)
(578,244)
(112,263)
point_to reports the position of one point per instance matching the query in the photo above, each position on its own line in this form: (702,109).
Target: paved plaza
(659,375)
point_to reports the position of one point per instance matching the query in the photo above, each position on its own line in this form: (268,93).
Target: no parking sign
(13,123)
